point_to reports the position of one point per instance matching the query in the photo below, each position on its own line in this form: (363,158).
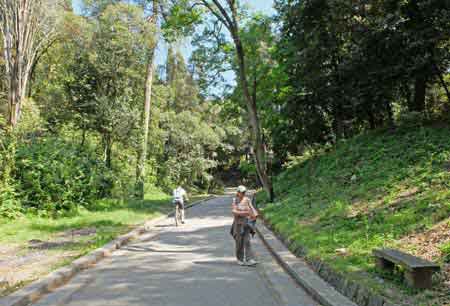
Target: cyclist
(179,196)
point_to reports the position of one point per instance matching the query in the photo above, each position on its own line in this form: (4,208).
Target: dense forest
(87,113)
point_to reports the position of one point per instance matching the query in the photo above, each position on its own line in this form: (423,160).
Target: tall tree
(142,153)
(229,16)
(27,27)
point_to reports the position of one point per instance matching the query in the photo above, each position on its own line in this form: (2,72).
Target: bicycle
(178,214)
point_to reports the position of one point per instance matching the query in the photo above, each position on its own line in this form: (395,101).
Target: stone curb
(347,288)
(301,272)
(55,279)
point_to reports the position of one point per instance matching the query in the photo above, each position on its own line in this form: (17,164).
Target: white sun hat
(241,189)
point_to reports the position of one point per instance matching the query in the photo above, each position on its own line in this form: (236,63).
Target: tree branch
(221,15)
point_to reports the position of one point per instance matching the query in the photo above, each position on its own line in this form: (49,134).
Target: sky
(259,5)
(264,6)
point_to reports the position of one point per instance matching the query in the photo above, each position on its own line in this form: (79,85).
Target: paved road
(192,265)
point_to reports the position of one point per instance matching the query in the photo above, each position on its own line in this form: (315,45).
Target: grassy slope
(368,192)
(110,219)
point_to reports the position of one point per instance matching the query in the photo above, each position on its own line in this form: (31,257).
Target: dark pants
(181,208)
(244,250)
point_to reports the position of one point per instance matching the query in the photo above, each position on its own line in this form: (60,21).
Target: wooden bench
(418,271)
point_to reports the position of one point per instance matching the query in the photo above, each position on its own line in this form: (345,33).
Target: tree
(229,17)
(27,27)
(348,63)
(106,78)
(142,153)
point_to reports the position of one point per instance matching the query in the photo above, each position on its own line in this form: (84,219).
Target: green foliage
(106,79)
(57,176)
(248,172)
(180,19)
(189,144)
(346,66)
(364,193)
(445,249)
(10,206)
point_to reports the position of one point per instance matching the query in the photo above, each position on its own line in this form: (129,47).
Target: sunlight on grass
(108,217)
(368,192)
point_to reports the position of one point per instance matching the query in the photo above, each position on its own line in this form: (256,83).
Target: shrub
(57,176)
(10,207)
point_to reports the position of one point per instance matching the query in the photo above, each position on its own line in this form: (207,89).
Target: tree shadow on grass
(106,224)
(144,206)
(65,245)
(54,228)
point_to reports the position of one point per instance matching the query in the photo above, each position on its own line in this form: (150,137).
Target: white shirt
(179,194)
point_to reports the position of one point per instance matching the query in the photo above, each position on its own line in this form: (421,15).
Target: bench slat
(407,261)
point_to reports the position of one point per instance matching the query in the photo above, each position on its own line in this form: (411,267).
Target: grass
(110,218)
(367,192)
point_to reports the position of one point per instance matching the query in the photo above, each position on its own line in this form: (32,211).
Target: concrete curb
(55,279)
(320,290)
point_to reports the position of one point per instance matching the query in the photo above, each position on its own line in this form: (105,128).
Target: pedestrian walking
(243,227)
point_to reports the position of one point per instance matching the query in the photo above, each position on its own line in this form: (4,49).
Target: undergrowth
(365,193)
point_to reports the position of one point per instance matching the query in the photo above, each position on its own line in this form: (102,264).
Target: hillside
(385,188)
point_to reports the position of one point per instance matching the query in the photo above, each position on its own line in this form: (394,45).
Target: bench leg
(384,264)
(419,279)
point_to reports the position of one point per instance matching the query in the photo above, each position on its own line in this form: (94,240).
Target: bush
(410,119)
(55,176)
(10,207)
(248,172)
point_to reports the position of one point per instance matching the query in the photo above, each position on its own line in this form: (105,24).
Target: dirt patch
(359,208)
(19,266)
(427,245)
(79,232)
(50,245)
(17,269)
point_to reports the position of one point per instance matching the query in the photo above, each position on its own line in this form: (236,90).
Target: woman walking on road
(244,220)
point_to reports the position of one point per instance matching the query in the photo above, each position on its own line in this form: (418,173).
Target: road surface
(191,265)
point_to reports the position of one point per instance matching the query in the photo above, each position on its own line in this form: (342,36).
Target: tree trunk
(406,91)
(390,114)
(232,24)
(258,145)
(27,26)
(419,94)
(14,95)
(443,84)
(107,143)
(338,125)
(371,116)
(142,153)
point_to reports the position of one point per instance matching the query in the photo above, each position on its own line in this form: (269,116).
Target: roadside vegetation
(387,188)
(345,103)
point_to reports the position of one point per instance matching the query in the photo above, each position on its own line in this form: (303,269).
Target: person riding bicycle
(179,196)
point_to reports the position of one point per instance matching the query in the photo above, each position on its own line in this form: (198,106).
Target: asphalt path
(189,265)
